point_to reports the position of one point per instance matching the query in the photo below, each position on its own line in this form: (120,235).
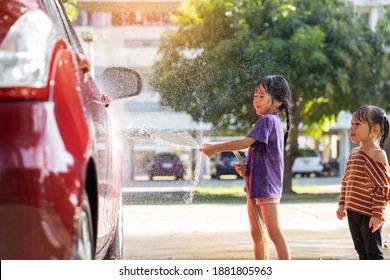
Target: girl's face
(263,102)
(359,131)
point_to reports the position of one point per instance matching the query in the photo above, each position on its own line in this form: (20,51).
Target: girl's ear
(278,104)
(375,130)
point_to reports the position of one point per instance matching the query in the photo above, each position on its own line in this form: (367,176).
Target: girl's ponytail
(385,131)
(288,122)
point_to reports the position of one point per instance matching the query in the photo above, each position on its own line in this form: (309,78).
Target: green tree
(70,8)
(208,66)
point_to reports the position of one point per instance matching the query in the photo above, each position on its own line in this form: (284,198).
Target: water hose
(259,222)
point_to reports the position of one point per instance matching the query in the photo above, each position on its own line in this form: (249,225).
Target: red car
(60,173)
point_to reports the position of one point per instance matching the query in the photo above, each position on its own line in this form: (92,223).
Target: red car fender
(65,90)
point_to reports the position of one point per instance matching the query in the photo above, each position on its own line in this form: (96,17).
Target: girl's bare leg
(270,216)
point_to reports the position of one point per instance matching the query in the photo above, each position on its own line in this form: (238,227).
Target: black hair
(278,88)
(373,115)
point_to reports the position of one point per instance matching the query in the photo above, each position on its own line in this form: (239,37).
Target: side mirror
(121,82)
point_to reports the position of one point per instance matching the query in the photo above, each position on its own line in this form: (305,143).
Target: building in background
(369,10)
(130,30)
(127,33)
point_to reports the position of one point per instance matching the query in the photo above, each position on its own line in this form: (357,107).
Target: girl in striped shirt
(365,188)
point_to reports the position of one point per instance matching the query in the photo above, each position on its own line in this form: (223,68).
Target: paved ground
(209,231)
(221,231)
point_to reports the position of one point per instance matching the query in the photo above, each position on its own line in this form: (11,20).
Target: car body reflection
(60,173)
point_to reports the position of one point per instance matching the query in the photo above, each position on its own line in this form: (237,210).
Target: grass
(233,194)
(236,194)
(226,195)
(236,191)
(307,189)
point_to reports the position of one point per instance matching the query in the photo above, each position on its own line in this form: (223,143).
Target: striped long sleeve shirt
(365,185)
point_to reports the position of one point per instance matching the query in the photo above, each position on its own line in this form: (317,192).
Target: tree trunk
(287,178)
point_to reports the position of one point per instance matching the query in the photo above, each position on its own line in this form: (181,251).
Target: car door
(98,124)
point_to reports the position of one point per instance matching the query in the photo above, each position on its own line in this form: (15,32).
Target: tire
(83,248)
(115,251)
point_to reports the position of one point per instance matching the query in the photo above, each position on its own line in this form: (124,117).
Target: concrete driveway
(221,232)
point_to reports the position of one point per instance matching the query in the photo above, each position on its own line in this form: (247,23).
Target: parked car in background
(166,164)
(307,163)
(223,164)
(60,172)
(331,168)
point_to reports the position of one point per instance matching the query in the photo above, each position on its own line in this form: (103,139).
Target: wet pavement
(221,231)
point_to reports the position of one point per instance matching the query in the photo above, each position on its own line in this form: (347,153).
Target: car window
(227,154)
(167,157)
(52,11)
(231,155)
(307,153)
(57,14)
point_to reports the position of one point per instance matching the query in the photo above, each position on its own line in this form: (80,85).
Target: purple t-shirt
(265,158)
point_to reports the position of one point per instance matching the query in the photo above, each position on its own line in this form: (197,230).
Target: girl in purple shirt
(264,167)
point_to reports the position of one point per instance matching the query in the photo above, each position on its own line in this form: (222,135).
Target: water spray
(259,222)
(172,137)
(177,138)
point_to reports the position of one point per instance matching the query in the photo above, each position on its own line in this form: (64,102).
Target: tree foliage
(208,66)
(70,8)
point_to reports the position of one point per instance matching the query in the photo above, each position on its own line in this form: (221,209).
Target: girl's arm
(380,178)
(235,145)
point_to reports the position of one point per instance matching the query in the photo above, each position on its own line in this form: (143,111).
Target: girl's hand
(341,213)
(375,223)
(105,100)
(207,149)
(241,170)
